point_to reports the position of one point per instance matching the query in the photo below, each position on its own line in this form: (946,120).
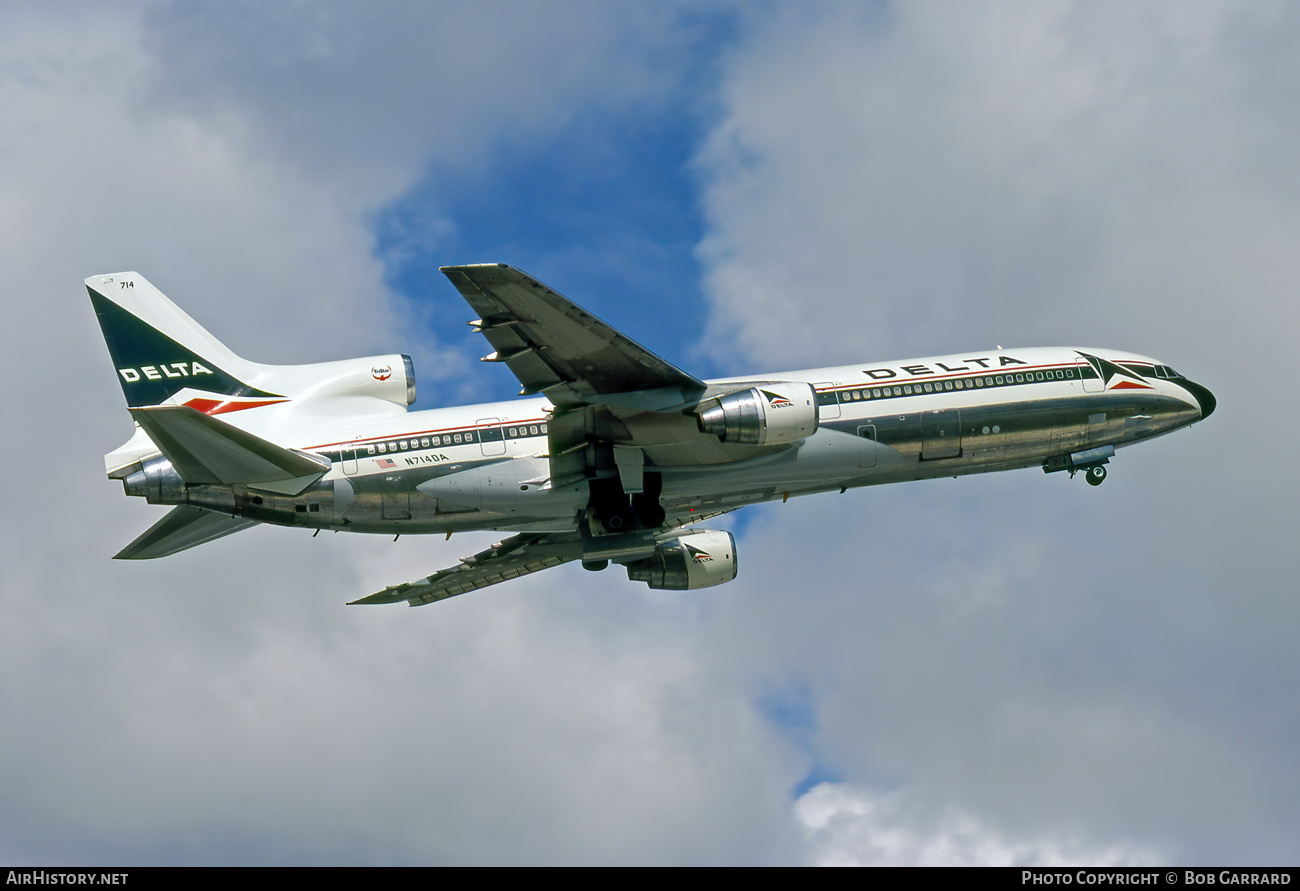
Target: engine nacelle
(699,559)
(157,482)
(769,415)
(390,378)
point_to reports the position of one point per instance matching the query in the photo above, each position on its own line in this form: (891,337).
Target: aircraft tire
(594,565)
(1096,475)
(648,511)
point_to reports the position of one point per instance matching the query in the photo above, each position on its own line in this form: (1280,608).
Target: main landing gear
(617,512)
(615,518)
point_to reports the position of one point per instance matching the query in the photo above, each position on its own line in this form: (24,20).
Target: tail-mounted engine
(693,560)
(769,415)
(390,378)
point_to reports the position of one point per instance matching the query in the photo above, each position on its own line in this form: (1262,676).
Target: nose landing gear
(1091,462)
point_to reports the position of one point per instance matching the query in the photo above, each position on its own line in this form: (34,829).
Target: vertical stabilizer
(162,356)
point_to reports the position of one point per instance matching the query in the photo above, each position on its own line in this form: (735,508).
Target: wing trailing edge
(556,347)
(518,555)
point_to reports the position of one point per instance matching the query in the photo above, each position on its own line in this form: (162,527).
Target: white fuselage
(488,466)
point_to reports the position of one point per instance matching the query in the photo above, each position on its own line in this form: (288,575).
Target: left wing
(518,555)
(554,346)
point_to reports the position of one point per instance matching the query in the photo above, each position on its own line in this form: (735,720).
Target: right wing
(554,346)
(518,555)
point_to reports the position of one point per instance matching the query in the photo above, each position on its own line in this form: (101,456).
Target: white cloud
(848,826)
(936,175)
(222,705)
(1016,649)
(913,179)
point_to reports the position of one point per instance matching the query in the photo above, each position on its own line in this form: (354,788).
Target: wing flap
(554,346)
(518,555)
(183,527)
(205,450)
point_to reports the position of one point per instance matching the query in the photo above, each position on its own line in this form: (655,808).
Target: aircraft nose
(1204,398)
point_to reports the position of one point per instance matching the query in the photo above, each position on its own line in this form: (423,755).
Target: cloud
(1012,652)
(223,706)
(1010,173)
(847,826)
(907,179)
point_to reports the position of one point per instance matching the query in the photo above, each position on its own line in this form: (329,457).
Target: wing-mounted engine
(699,559)
(770,414)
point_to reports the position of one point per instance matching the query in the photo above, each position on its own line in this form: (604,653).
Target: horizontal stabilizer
(183,527)
(206,451)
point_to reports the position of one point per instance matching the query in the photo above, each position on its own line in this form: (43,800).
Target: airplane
(610,454)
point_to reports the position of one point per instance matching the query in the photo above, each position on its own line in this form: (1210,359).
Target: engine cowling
(390,378)
(698,559)
(768,415)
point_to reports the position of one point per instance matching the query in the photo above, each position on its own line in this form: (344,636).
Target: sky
(1002,669)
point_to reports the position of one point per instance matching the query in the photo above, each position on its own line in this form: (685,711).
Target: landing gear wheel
(1096,475)
(594,565)
(611,506)
(648,511)
(614,522)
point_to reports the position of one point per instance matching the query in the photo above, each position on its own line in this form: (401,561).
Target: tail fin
(163,356)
